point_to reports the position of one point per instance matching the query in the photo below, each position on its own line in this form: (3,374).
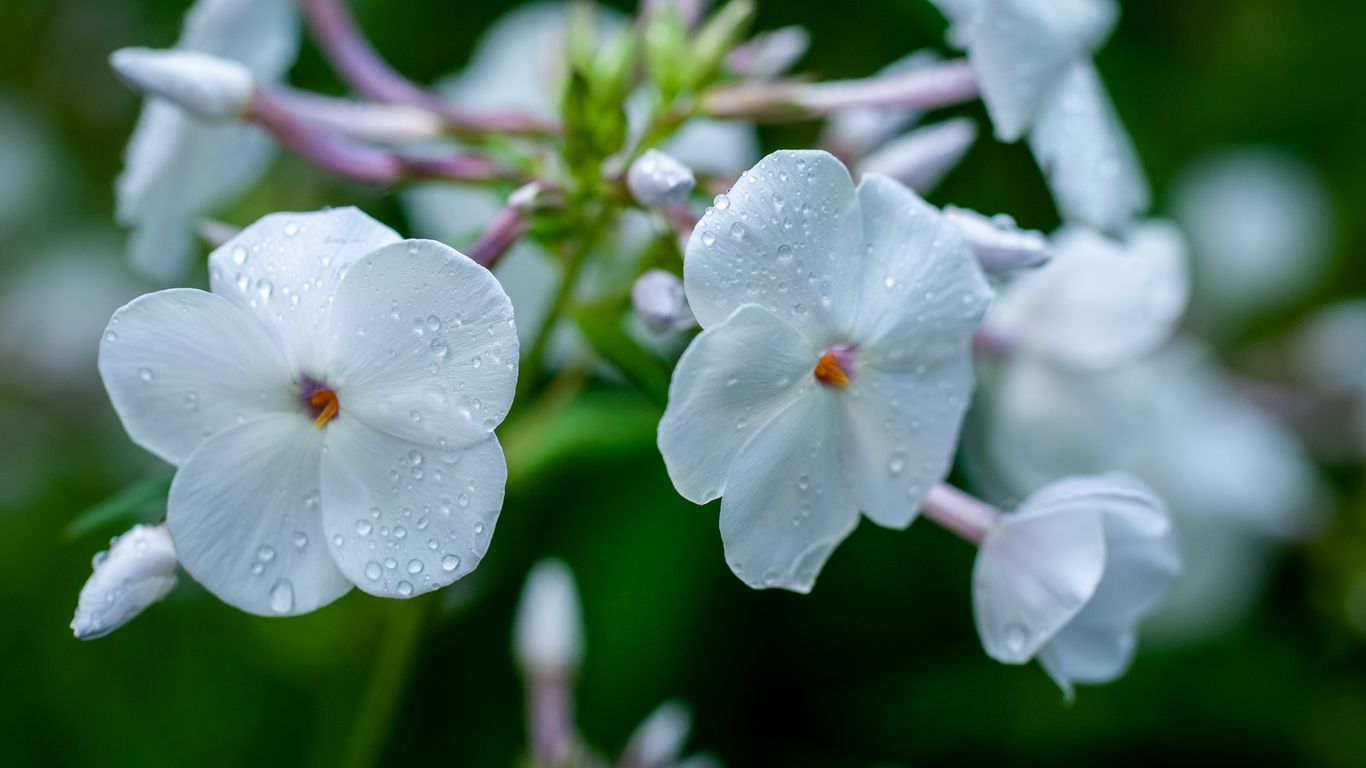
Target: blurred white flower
(137,570)
(1099,303)
(1068,576)
(921,158)
(548,633)
(1260,224)
(212,87)
(856,132)
(1032,61)
(330,406)
(769,54)
(834,366)
(999,244)
(178,167)
(659,300)
(657,180)
(1329,349)
(659,740)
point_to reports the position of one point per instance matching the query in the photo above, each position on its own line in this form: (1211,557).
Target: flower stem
(963,514)
(388,681)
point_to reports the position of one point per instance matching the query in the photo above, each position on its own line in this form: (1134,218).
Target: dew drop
(414,566)
(896,463)
(145,374)
(450,563)
(404,588)
(265,553)
(363,527)
(373,571)
(1016,637)
(282,596)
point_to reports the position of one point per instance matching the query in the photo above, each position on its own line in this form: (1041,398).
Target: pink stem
(550,719)
(965,515)
(506,228)
(946,84)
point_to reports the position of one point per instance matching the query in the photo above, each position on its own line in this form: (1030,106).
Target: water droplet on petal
(282,596)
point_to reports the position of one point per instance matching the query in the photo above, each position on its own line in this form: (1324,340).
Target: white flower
(922,157)
(1098,303)
(1260,224)
(330,406)
(834,366)
(548,634)
(657,180)
(177,166)
(1068,576)
(1032,61)
(659,300)
(999,244)
(212,87)
(137,570)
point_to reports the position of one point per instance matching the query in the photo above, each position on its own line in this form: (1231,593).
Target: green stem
(388,681)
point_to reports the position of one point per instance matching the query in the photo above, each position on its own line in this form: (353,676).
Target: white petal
(548,632)
(1034,573)
(212,87)
(1088,654)
(921,158)
(138,570)
(181,365)
(1330,347)
(785,237)
(855,132)
(659,740)
(244,514)
(423,345)
(922,294)
(1088,158)
(730,383)
(786,505)
(287,267)
(900,433)
(262,34)
(1020,48)
(1000,245)
(1099,302)
(402,518)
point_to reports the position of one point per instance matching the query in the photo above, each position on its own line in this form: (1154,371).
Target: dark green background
(880,664)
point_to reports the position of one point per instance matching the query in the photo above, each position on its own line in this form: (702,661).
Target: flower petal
(1034,573)
(787,505)
(900,433)
(1088,654)
(786,237)
(244,515)
(922,294)
(181,365)
(730,383)
(1083,149)
(402,518)
(287,267)
(1099,303)
(423,345)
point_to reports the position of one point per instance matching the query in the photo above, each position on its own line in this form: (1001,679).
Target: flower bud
(548,634)
(209,86)
(999,245)
(659,739)
(921,158)
(138,569)
(657,180)
(658,298)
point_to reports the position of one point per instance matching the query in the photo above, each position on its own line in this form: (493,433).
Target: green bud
(724,30)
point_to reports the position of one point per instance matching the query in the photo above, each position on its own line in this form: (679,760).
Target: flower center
(321,401)
(831,368)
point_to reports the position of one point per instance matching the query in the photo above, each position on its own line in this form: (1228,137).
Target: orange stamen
(324,403)
(829,372)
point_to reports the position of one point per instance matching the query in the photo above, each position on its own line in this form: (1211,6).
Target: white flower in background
(1330,348)
(1099,303)
(1068,576)
(1033,65)
(659,299)
(34,165)
(1236,480)
(834,366)
(856,132)
(657,180)
(548,633)
(659,740)
(137,570)
(1260,224)
(769,54)
(921,158)
(999,244)
(212,87)
(330,406)
(179,167)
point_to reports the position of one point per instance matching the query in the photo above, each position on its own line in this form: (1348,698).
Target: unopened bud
(209,86)
(999,245)
(921,158)
(548,635)
(657,180)
(659,740)
(658,298)
(138,569)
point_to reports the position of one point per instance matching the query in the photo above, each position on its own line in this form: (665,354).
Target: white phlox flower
(1032,59)
(1100,302)
(137,570)
(178,166)
(330,407)
(548,632)
(1067,577)
(834,365)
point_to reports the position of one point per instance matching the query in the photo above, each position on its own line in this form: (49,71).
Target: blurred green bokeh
(879,665)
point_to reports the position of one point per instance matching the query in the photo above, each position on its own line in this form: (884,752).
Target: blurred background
(879,665)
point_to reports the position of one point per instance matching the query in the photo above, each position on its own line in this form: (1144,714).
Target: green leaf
(601,323)
(136,503)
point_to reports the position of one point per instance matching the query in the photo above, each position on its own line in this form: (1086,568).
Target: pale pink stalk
(929,88)
(965,515)
(507,227)
(550,719)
